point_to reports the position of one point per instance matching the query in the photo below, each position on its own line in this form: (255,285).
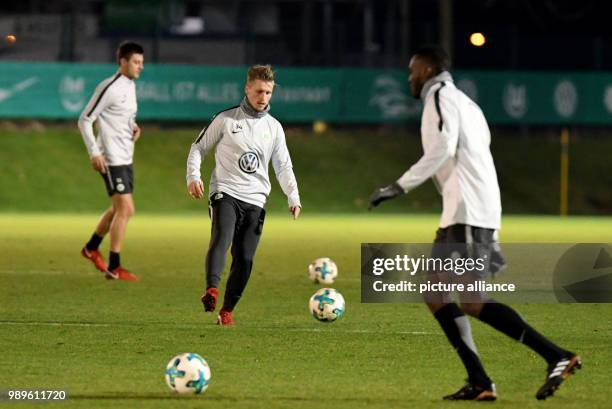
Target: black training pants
(240,224)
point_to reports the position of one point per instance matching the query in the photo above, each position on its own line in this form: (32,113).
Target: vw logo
(249,162)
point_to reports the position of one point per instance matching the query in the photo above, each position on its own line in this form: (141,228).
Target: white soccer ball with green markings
(323,270)
(327,305)
(188,374)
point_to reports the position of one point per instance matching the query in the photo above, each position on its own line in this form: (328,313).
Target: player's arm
(283,168)
(440,128)
(207,139)
(99,101)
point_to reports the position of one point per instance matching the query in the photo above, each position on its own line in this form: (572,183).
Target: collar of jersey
(250,111)
(443,76)
(123,77)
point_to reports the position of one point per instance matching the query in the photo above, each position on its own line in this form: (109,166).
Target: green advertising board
(344,95)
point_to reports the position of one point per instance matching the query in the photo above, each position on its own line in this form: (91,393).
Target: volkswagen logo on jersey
(249,162)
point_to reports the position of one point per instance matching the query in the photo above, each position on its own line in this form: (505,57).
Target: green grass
(63,326)
(337,171)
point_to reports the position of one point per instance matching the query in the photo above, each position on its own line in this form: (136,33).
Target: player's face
(258,93)
(131,67)
(420,72)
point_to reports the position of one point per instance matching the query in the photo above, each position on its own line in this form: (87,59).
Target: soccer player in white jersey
(456,155)
(113,106)
(244,139)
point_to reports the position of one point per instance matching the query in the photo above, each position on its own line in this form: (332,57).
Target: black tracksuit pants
(240,224)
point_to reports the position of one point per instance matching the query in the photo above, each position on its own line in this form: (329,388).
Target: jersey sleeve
(283,168)
(440,133)
(100,100)
(207,140)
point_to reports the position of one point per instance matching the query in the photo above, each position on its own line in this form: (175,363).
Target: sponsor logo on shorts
(249,162)
(120,187)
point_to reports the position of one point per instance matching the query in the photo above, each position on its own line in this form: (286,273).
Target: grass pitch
(63,326)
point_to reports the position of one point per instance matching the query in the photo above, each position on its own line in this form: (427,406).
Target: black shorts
(465,241)
(474,252)
(119,179)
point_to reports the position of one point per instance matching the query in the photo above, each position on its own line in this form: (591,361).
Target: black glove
(384,193)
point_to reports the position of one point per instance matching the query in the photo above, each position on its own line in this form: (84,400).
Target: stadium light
(478,39)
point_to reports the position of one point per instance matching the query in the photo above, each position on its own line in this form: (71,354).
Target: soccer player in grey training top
(113,106)
(456,155)
(244,138)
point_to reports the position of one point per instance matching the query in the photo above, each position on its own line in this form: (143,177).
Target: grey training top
(244,142)
(114,106)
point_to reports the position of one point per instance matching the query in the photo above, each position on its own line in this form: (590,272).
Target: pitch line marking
(106,325)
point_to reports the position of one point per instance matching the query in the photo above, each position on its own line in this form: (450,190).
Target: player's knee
(245,261)
(130,210)
(125,209)
(220,242)
(472,309)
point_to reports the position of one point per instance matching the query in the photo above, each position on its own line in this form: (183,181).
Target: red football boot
(95,257)
(209,299)
(121,273)
(225,318)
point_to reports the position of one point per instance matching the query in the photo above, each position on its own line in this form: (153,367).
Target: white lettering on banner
(219,93)
(150,91)
(315,95)
(72,92)
(390,97)
(6,93)
(607,98)
(183,91)
(515,100)
(566,98)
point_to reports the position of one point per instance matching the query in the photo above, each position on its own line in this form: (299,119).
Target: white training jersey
(456,154)
(244,143)
(114,106)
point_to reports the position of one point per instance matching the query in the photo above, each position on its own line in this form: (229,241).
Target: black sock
(506,320)
(457,329)
(113,261)
(94,242)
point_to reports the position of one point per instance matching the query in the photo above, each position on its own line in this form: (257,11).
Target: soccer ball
(323,270)
(327,305)
(188,374)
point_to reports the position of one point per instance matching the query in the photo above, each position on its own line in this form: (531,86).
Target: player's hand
(384,193)
(295,211)
(196,189)
(98,163)
(135,133)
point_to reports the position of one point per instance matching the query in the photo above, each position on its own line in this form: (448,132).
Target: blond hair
(260,72)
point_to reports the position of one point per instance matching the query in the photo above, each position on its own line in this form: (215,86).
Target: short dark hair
(127,48)
(435,56)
